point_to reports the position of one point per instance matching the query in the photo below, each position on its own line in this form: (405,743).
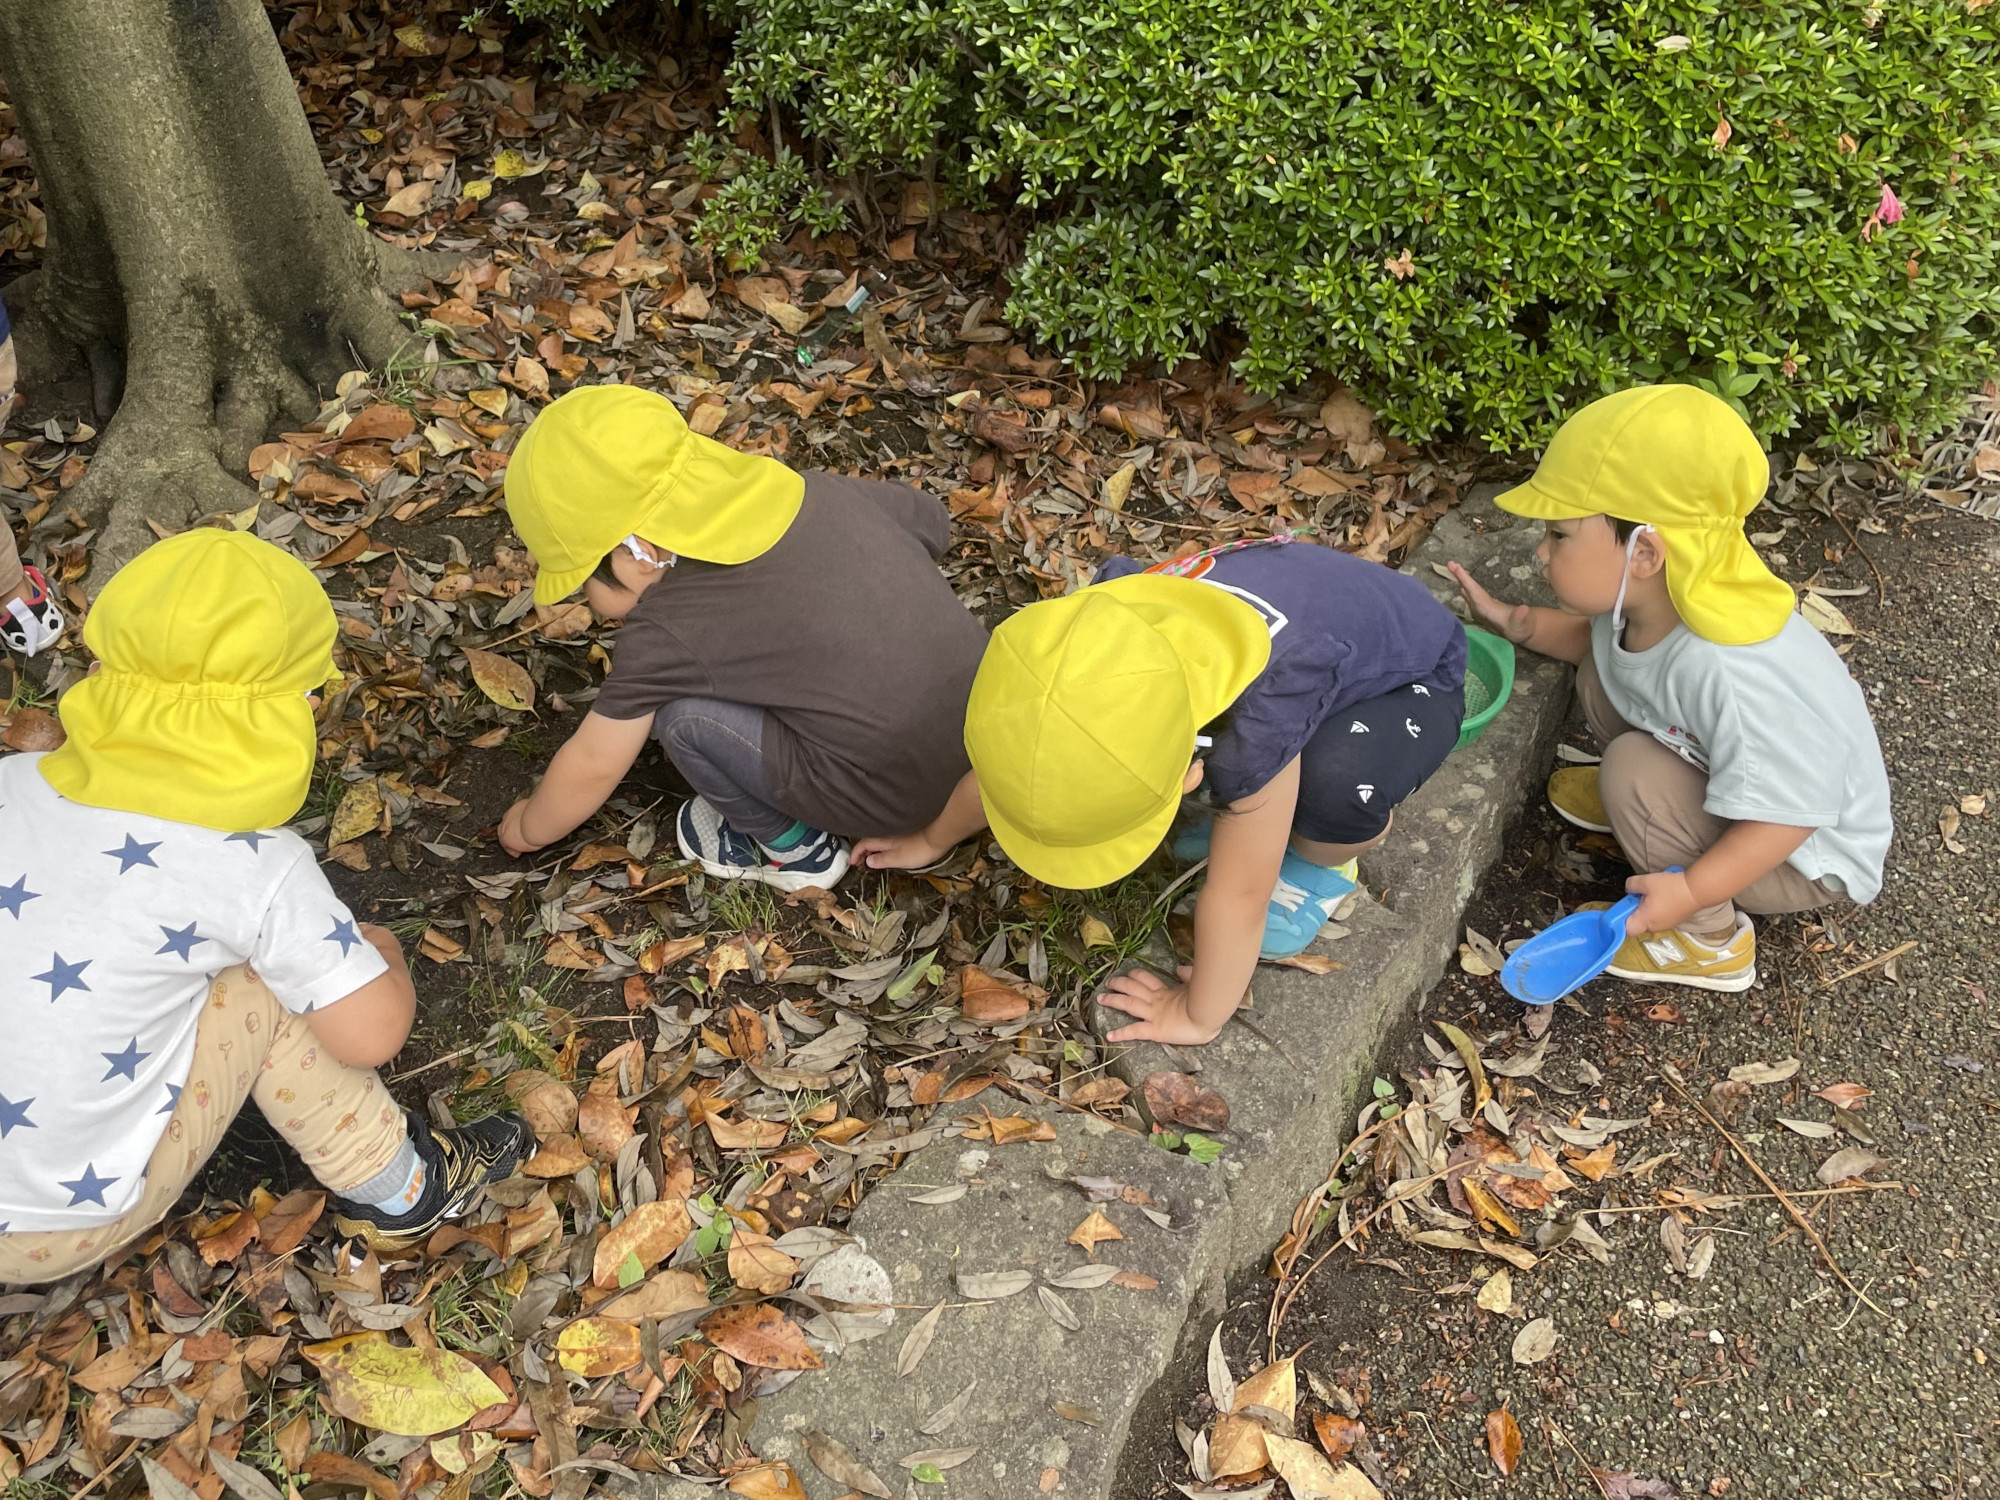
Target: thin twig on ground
(1874,963)
(1673,1077)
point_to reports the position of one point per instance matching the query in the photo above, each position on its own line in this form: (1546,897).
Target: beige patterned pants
(11,576)
(340,1120)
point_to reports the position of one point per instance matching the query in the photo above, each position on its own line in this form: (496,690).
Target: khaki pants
(340,1120)
(1654,801)
(11,576)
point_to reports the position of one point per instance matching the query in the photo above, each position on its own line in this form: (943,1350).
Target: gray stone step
(1018,1215)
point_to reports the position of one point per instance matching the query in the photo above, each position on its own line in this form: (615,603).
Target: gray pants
(719,748)
(1654,800)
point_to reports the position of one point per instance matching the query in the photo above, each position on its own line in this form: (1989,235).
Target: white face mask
(664,560)
(1625,577)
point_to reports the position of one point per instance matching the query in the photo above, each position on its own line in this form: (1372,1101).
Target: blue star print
(181,941)
(173,1098)
(252,839)
(14,897)
(344,934)
(124,1062)
(12,1114)
(63,976)
(131,853)
(89,1188)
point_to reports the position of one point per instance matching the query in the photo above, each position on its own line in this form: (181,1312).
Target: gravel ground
(1768,1377)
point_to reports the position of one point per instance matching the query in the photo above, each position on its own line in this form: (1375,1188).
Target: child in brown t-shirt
(787,637)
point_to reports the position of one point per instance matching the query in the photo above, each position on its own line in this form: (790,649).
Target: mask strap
(666,560)
(1625,577)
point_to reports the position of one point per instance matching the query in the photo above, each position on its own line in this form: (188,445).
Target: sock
(397,1187)
(785,842)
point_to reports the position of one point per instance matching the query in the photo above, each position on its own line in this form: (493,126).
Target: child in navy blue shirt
(1311,691)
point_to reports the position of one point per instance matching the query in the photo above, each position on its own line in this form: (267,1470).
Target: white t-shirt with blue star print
(111,927)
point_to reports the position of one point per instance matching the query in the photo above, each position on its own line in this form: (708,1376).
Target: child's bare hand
(1666,902)
(1162,1009)
(511,838)
(903,851)
(1514,621)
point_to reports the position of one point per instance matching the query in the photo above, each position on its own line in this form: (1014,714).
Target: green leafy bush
(1477,214)
(760,201)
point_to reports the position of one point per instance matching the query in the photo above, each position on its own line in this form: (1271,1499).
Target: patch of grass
(35,1489)
(745,905)
(469,1314)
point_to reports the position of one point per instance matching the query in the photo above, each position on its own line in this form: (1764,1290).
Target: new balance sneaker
(1574,795)
(1677,957)
(31,622)
(706,837)
(456,1162)
(1303,902)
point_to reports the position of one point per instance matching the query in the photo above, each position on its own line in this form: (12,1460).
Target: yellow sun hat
(1682,462)
(610,461)
(1083,717)
(208,643)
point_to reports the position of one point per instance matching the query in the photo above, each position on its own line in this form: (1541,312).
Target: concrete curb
(1292,1104)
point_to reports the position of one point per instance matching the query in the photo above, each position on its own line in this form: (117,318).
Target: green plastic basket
(1489,681)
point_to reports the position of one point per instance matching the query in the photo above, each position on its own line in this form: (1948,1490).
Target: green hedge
(1575,217)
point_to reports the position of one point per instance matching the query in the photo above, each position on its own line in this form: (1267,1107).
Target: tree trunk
(193,243)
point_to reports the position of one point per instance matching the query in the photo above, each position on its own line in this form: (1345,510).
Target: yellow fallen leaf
(1496,1295)
(596,1347)
(772,1481)
(359,812)
(1097,934)
(1275,1386)
(492,400)
(511,163)
(1236,1446)
(1310,1476)
(1824,615)
(477,189)
(415,38)
(412,1392)
(501,678)
(1118,488)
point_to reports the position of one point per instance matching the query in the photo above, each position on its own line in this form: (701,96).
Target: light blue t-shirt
(1782,731)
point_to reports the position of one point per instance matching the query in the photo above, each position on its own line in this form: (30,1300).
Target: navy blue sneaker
(706,837)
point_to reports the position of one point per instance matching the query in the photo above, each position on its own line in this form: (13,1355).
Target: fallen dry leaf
(1845,1095)
(1093,1231)
(502,679)
(650,1233)
(548,1105)
(1850,1162)
(596,1347)
(1275,1386)
(836,1460)
(1337,1434)
(767,1481)
(1310,1475)
(1535,1343)
(415,1392)
(1177,1099)
(989,999)
(1236,1446)
(1503,1440)
(755,1266)
(758,1334)
(660,1296)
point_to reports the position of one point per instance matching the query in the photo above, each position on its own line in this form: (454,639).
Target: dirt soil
(1768,1376)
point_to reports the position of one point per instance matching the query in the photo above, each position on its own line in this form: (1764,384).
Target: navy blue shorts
(1371,755)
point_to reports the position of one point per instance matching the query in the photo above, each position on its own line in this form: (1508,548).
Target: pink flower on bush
(1888,211)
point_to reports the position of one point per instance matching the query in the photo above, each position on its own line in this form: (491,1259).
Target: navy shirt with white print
(1343,630)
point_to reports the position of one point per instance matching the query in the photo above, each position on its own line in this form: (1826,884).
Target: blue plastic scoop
(1566,955)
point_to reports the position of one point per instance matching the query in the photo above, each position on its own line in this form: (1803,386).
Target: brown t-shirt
(848,637)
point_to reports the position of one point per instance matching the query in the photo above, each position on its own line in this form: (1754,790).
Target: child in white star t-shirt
(166,953)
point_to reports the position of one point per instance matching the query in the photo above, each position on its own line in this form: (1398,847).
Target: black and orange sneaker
(456,1161)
